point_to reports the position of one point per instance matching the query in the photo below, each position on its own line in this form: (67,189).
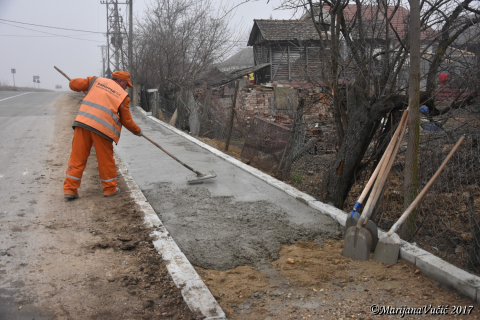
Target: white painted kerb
(194,291)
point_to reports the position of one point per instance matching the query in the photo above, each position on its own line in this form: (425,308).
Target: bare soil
(311,281)
(93,257)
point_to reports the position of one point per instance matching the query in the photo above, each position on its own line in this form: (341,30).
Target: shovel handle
(419,197)
(386,165)
(377,169)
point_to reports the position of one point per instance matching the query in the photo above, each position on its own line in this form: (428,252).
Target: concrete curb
(429,264)
(194,291)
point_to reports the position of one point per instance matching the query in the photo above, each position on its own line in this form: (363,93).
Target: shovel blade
(388,249)
(352,220)
(358,244)
(372,228)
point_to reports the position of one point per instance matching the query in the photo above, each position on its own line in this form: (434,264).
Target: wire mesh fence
(446,223)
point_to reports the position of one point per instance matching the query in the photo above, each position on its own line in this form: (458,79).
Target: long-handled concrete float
(388,246)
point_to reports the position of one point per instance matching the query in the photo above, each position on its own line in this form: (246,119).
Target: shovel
(360,241)
(388,247)
(352,219)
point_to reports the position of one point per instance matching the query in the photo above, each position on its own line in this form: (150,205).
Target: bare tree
(179,40)
(368,49)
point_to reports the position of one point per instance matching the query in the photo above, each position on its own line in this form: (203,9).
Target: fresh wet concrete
(231,220)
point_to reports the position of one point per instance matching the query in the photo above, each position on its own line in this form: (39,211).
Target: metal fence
(447,222)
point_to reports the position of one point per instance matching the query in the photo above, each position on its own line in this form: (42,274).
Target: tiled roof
(370,14)
(283,30)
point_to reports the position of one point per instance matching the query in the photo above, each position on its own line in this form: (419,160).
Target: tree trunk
(340,177)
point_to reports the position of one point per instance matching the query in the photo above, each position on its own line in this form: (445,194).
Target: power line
(58,35)
(24,36)
(39,25)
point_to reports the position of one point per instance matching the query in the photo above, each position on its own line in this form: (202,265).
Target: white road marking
(18,95)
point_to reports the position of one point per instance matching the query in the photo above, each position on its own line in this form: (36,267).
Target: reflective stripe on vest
(99,109)
(101,121)
(110,112)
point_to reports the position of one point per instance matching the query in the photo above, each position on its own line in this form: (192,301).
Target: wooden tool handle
(171,155)
(415,202)
(383,167)
(62,73)
(378,190)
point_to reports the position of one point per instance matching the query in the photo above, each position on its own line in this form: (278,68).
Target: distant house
(291,47)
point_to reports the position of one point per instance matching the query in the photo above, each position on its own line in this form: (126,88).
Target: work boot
(70,196)
(114,194)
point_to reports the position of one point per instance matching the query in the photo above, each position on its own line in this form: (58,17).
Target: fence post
(232,114)
(297,118)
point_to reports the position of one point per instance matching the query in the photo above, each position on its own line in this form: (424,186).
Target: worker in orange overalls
(102,113)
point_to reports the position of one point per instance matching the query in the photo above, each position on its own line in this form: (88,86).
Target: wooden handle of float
(171,155)
(65,76)
(62,73)
(425,189)
(377,169)
(384,162)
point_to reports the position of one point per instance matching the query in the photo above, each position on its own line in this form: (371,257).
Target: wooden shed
(292,47)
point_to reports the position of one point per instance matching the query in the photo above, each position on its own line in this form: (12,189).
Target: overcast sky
(35,50)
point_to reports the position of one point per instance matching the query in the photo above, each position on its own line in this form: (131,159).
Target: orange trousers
(81,147)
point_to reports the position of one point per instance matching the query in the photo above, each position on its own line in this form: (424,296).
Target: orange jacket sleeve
(126,117)
(80,84)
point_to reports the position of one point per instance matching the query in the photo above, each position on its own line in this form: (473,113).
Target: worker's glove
(139,134)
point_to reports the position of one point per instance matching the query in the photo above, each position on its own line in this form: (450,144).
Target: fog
(34,39)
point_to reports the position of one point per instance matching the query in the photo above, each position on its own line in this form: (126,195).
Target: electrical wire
(24,36)
(39,25)
(57,35)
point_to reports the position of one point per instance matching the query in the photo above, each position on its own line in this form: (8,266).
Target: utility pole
(115,36)
(103,47)
(411,156)
(130,43)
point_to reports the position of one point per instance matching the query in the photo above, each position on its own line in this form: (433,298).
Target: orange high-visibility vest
(99,109)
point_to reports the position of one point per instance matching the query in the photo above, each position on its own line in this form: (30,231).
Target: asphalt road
(26,132)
